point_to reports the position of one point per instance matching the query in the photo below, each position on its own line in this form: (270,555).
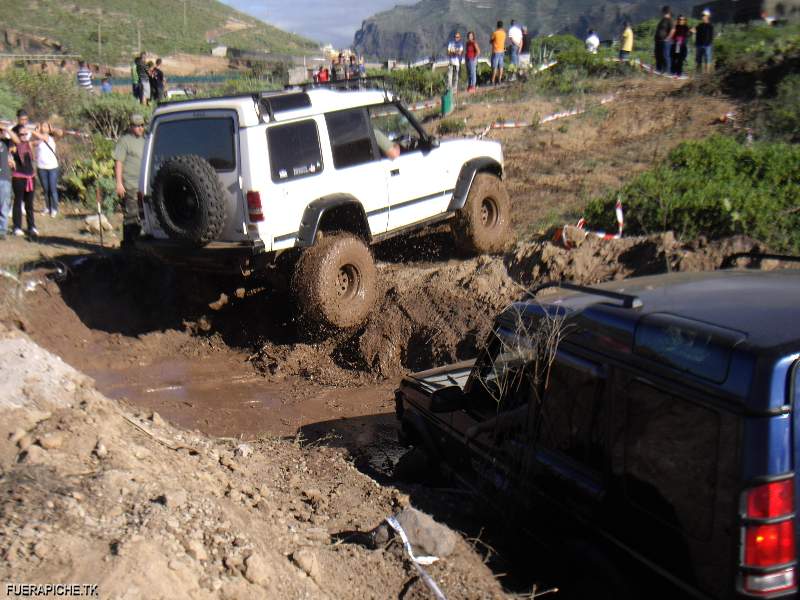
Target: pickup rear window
(211,138)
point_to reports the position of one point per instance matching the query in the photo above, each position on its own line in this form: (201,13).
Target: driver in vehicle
(388,148)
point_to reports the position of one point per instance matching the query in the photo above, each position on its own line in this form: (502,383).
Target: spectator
(137,89)
(515,42)
(626,44)
(362,67)
(85,77)
(127,164)
(455,54)
(62,67)
(498,52)
(47,165)
(703,41)
(22,177)
(680,45)
(144,80)
(592,42)
(525,54)
(322,75)
(665,30)
(472,52)
(158,82)
(105,84)
(6,167)
(339,70)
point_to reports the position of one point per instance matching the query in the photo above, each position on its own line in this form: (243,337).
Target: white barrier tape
(417,561)
(581,226)
(548,118)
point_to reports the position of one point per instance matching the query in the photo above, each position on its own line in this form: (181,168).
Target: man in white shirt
(515,41)
(455,53)
(592,42)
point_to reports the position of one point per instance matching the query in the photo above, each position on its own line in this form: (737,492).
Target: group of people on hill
(26,151)
(148,83)
(516,42)
(672,40)
(342,70)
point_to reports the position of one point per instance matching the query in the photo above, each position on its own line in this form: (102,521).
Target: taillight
(769,537)
(254,210)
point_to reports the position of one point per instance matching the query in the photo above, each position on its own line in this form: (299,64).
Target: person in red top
(322,75)
(472,52)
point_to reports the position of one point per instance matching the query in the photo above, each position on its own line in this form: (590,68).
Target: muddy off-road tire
(483,226)
(189,200)
(335,282)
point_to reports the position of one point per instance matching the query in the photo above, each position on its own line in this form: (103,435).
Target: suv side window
(351,138)
(573,417)
(671,458)
(212,139)
(294,150)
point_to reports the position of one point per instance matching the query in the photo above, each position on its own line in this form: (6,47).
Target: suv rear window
(294,150)
(211,138)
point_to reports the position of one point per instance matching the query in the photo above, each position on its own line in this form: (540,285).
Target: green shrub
(451,126)
(110,115)
(84,176)
(10,102)
(716,187)
(44,95)
(783,113)
(415,84)
(555,44)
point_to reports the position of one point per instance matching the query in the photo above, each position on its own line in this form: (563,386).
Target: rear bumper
(219,257)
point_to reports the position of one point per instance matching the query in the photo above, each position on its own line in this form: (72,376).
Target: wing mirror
(433,142)
(449,399)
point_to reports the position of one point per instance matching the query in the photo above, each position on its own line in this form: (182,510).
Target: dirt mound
(92,493)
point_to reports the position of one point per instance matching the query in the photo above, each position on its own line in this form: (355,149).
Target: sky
(325,21)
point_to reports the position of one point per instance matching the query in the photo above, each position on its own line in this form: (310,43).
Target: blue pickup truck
(648,429)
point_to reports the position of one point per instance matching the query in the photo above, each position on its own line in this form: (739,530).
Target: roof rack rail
(729,261)
(628,300)
(359,84)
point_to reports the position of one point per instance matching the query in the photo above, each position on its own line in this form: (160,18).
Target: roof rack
(628,300)
(380,83)
(731,260)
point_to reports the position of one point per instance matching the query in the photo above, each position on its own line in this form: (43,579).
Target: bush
(716,187)
(452,125)
(110,115)
(9,101)
(44,95)
(783,113)
(86,175)
(415,84)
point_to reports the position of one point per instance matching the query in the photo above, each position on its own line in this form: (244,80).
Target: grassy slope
(161,25)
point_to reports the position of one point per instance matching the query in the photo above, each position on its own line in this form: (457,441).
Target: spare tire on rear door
(189,200)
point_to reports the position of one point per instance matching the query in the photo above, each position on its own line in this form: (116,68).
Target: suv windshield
(391,126)
(210,138)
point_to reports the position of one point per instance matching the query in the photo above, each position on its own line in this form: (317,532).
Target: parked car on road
(648,430)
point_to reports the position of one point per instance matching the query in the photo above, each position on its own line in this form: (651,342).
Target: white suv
(315,176)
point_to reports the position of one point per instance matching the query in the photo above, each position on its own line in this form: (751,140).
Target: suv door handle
(394,172)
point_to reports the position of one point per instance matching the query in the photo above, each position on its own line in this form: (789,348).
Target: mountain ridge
(411,32)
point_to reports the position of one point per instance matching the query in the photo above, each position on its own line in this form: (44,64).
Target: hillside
(420,30)
(73,26)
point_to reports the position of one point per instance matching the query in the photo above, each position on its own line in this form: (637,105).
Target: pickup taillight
(254,210)
(769,538)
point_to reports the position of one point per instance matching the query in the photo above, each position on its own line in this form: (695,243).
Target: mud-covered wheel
(483,226)
(335,282)
(189,200)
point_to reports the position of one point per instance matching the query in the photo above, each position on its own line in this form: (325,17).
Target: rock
(35,455)
(196,550)
(17,436)
(218,304)
(243,450)
(52,441)
(257,570)
(157,420)
(41,549)
(175,498)
(93,223)
(426,535)
(100,450)
(307,560)
(313,496)
(240,293)
(174,565)
(25,442)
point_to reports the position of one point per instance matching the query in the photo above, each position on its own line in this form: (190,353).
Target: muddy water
(223,396)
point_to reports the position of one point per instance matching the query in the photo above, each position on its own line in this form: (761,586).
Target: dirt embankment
(92,492)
